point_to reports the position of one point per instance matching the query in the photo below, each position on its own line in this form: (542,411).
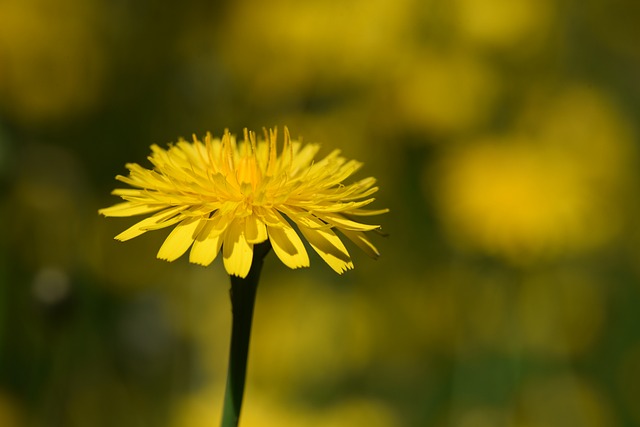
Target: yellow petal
(360,239)
(304,157)
(206,249)
(160,220)
(329,247)
(343,173)
(367,212)
(288,246)
(131,192)
(216,225)
(179,240)
(237,253)
(305,218)
(343,223)
(128,209)
(255,229)
(270,217)
(135,230)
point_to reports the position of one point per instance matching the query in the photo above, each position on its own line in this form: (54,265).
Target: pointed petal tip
(168,254)
(345,268)
(299,265)
(123,237)
(242,275)
(200,263)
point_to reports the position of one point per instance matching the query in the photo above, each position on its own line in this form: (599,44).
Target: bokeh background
(503,133)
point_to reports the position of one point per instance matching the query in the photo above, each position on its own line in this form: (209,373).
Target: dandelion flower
(224,195)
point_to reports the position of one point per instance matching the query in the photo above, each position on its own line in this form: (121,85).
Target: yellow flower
(232,196)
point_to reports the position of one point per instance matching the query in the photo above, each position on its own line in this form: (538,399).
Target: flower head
(230,196)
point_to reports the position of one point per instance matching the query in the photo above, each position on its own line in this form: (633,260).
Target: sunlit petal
(160,220)
(237,253)
(288,246)
(179,240)
(256,230)
(206,246)
(329,246)
(360,239)
(346,224)
(129,209)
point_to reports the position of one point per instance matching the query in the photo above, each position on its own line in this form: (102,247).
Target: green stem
(243,295)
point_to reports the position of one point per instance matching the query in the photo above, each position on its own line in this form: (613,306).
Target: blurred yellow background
(504,135)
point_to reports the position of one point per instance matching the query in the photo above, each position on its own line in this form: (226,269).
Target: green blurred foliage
(504,135)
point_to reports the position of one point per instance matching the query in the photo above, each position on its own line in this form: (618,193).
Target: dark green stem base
(243,295)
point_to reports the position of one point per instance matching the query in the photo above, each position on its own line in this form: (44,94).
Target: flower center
(248,172)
